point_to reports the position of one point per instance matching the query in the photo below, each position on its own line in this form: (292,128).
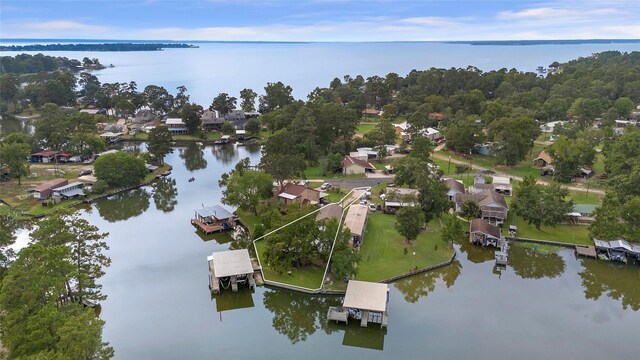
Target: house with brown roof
(291,193)
(543,159)
(455,187)
(45,156)
(352,166)
(44,190)
(371,113)
(356,222)
(493,205)
(328,212)
(483,233)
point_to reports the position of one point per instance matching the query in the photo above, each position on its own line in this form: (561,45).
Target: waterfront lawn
(573,234)
(581,197)
(309,277)
(249,219)
(383,249)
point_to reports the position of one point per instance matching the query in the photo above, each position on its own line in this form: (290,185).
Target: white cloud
(549,12)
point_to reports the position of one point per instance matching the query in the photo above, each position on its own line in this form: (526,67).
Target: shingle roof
(348,160)
(329,211)
(453,184)
(545,157)
(479,225)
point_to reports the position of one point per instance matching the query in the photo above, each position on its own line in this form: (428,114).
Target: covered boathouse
(213,219)
(364,301)
(230,268)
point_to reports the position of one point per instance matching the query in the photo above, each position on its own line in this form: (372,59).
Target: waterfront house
(69,191)
(291,193)
(211,121)
(176,126)
(145,116)
(364,301)
(351,166)
(492,205)
(213,219)
(230,268)
(237,117)
(582,214)
(111,137)
(44,190)
(455,187)
(356,222)
(397,198)
(483,233)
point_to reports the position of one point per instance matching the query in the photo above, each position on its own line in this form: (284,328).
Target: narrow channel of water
(546,304)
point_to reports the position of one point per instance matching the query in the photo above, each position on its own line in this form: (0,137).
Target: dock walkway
(206,228)
(586,250)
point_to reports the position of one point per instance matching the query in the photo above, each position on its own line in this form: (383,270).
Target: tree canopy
(120,169)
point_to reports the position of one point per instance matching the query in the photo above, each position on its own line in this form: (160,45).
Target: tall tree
(191,115)
(245,188)
(452,231)
(277,95)
(433,196)
(223,103)
(15,156)
(120,169)
(280,157)
(409,222)
(541,205)
(159,144)
(248,97)
(512,138)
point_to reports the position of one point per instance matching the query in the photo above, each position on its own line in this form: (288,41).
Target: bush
(99,187)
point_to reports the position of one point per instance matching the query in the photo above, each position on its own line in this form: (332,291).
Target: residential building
(356,222)
(176,126)
(44,190)
(397,198)
(483,233)
(352,166)
(455,187)
(492,205)
(69,191)
(291,193)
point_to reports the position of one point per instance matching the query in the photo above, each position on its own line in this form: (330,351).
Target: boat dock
(586,251)
(228,269)
(502,255)
(363,301)
(213,219)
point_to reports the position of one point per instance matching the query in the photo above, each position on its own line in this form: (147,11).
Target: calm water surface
(546,304)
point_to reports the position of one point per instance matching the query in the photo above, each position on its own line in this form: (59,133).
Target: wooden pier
(586,251)
(206,228)
(363,301)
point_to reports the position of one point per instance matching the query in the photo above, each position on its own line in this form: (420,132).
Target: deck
(206,228)
(338,314)
(586,250)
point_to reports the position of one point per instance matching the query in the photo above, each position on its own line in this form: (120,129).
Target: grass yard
(573,234)
(383,249)
(364,128)
(581,197)
(309,277)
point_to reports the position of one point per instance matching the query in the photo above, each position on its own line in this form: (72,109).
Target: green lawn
(574,234)
(581,197)
(383,249)
(309,277)
(364,128)
(249,218)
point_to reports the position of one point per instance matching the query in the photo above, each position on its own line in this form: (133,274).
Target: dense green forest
(31,64)
(96,47)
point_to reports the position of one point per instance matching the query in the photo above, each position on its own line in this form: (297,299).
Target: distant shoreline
(157,45)
(125,46)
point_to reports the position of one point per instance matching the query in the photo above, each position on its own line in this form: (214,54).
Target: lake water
(229,67)
(546,304)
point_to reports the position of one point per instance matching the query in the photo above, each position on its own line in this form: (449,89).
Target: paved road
(519,178)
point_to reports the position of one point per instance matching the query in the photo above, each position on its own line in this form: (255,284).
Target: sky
(320,20)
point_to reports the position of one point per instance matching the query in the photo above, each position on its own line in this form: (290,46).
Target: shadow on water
(165,194)
(371,337)
(193,156)
(417,286)
(225,153)
(477,254)
(614,280)
(123,206)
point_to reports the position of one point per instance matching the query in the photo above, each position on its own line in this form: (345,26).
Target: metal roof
(232,262)
(366,296)
(356,219)
(67,187)
(287,196)
(216,211)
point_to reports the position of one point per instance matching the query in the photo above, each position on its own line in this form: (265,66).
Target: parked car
(325,186)
(85,172)
(372,207)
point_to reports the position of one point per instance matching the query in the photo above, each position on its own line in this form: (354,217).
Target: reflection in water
(532,261)
(229,300)
(225,153)
(371,337)
(253,147)
(165,194)
(417,286)
(193,156)
(617,281)
(123,206)
(477,254)
(298,315)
